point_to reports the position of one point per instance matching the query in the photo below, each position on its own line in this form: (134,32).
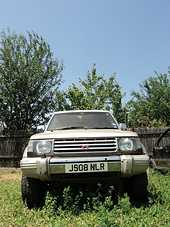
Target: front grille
(85,144)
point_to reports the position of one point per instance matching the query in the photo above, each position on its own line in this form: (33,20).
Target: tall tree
(94,92)
(151,105)
(28,74)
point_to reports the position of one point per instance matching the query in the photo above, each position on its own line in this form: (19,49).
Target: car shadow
(78,199)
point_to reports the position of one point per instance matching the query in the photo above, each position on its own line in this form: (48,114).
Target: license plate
(86,167)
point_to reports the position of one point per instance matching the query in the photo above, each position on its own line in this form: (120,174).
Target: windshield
(87,120)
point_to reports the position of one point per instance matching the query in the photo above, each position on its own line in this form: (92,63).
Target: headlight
(130,144)
(43,147)
(40,146)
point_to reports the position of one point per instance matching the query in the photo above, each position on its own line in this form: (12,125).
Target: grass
(155,213)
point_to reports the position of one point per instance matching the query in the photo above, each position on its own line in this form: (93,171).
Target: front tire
(33,192)
(136,188)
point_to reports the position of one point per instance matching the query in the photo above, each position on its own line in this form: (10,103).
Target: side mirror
(122,126)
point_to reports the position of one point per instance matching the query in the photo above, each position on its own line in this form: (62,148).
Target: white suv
(84,147)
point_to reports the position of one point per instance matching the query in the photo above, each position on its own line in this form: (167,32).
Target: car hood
(84,133)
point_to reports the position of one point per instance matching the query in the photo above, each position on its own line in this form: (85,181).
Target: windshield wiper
(72,127)
(106,127)
(82,127)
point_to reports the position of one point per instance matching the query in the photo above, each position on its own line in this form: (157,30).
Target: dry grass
(10,174)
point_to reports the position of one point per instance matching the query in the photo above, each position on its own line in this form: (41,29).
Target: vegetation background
(30,89)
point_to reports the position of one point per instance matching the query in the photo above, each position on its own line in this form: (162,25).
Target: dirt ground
(10,174)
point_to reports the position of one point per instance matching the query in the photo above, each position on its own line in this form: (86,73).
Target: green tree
(94,92)
(28,75)
(151,105)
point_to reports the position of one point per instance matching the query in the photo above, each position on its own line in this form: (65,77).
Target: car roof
(82,111)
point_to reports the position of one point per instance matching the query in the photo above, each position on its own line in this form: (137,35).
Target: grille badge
(84,146)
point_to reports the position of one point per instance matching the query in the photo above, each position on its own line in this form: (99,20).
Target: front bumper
(44,168)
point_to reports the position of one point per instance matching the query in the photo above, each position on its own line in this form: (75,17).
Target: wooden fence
(12,147)
(149,136)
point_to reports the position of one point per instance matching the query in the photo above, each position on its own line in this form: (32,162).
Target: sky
(128,37)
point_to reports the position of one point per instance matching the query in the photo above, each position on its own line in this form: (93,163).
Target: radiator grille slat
(85,144)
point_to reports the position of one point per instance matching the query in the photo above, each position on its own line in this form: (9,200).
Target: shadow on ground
(77,200)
